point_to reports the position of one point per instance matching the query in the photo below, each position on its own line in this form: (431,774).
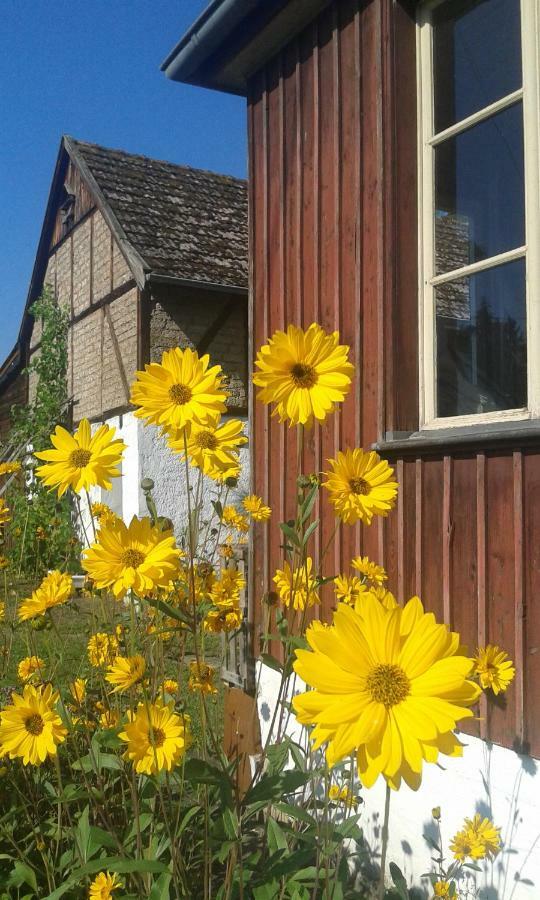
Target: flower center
(303,376)
(80,458)
(34,724)
(180,394)
(359,486)
(206,440)
(388,684)
(159,737)
(132,558)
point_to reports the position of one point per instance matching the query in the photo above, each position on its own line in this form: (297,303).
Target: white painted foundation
(488,779)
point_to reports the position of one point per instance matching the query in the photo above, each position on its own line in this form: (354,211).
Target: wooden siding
(332,126)
(83,203)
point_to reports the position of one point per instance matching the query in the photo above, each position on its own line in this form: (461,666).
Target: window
(479,211)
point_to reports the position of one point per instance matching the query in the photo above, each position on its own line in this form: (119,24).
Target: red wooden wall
(332,125)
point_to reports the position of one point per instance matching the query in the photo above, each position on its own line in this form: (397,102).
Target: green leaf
(297,813)
(309,503)
(277,755)
(272,787)
(160,890)
(266,891)
(23,874)
(275,837)
(271,661)
(231,824)
(82,834)
(399,881)
(290,533)
(309,532)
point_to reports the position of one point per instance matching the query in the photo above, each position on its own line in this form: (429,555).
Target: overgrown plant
(119,783)
(41,531)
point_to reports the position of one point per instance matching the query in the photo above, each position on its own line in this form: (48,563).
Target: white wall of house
(488,779)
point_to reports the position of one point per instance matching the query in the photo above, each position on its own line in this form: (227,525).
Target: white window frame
(428,280)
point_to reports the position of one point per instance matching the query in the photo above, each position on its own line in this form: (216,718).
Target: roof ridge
(141,156)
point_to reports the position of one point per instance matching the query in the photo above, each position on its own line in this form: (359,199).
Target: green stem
(384,848)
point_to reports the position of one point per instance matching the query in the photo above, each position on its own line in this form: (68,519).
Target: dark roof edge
(234,38)
(222,287)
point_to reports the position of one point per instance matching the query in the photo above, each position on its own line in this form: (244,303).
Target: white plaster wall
(488,779)
(167,471)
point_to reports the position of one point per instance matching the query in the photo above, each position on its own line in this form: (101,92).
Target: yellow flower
(256,508)
(360,486)
(9,468)
(2,610)
(494,668)
(201,678)
(212,447)
(479,838)
(341,795)
(227,586)
(227,617)
(4,512)
(103,514)
(297,587)
(373,573)
(109,718)
(31,728)
(55,589)
(157,738)
(103,885)
(170,686)
(140,557)
(234,519)
(82,459)
(304,373)
(441,889)
(4,562)
(77,690)
(180,390)
(389,685)
(125,671)
(348,588)
(226,550)
(102,649)
(31,668)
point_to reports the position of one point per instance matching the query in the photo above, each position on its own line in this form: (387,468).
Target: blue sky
(90,68)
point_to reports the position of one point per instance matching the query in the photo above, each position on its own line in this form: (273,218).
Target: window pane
(477,56)
(481,342)
(479,191)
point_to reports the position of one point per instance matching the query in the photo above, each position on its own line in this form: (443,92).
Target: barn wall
(333,238)
(15,393)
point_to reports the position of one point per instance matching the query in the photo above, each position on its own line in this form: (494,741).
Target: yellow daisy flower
(360,486)
(81,460)
(342,795)
(441,889)
(211,447)
(157,738)
(4,512)
(103,514)
(256,508)
(77,689)
(55,589)
(483,837)
(2,610)
(389,685)
(31,728)
(304,373)
(102,649)
(227,617)
(347,588)
(234,519)
(373,573)
(170,686)
(125,671)
(180,390)
(201,678)
(31,668)
(4,562)
(109,718)
(227,586)
(494,668)
(140,557)
(103,886)
(297,587)
(9,468)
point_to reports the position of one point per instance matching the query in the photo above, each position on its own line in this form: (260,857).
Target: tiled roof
(183,222)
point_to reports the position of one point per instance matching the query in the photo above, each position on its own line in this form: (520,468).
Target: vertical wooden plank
(419,527)
(400,514)
(447,538)
(517,461)
(481,579)
(531,621)
(432,481)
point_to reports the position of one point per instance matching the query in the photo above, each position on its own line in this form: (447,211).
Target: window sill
(510,435)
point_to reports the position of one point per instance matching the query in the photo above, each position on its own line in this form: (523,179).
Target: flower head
(494,668)
(180,390)
(102,649)
(170,686)
(342,795)
(213,448)
(103,514)
(77,689)
(103,886)
(234,519)
(442,889)
(348,588)
(81,460)
(389,685)
(138,556)
(31,728)
(201,678)
(370,571)
(4,512)
(360,485)
(9,468)
(125,671)
(256,509)
(227,616)
(55,589)
(297,587)
(156,737)
(304,373)
(479,838)
(31,668)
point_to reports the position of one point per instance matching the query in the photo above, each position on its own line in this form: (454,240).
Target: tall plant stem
(384,843)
